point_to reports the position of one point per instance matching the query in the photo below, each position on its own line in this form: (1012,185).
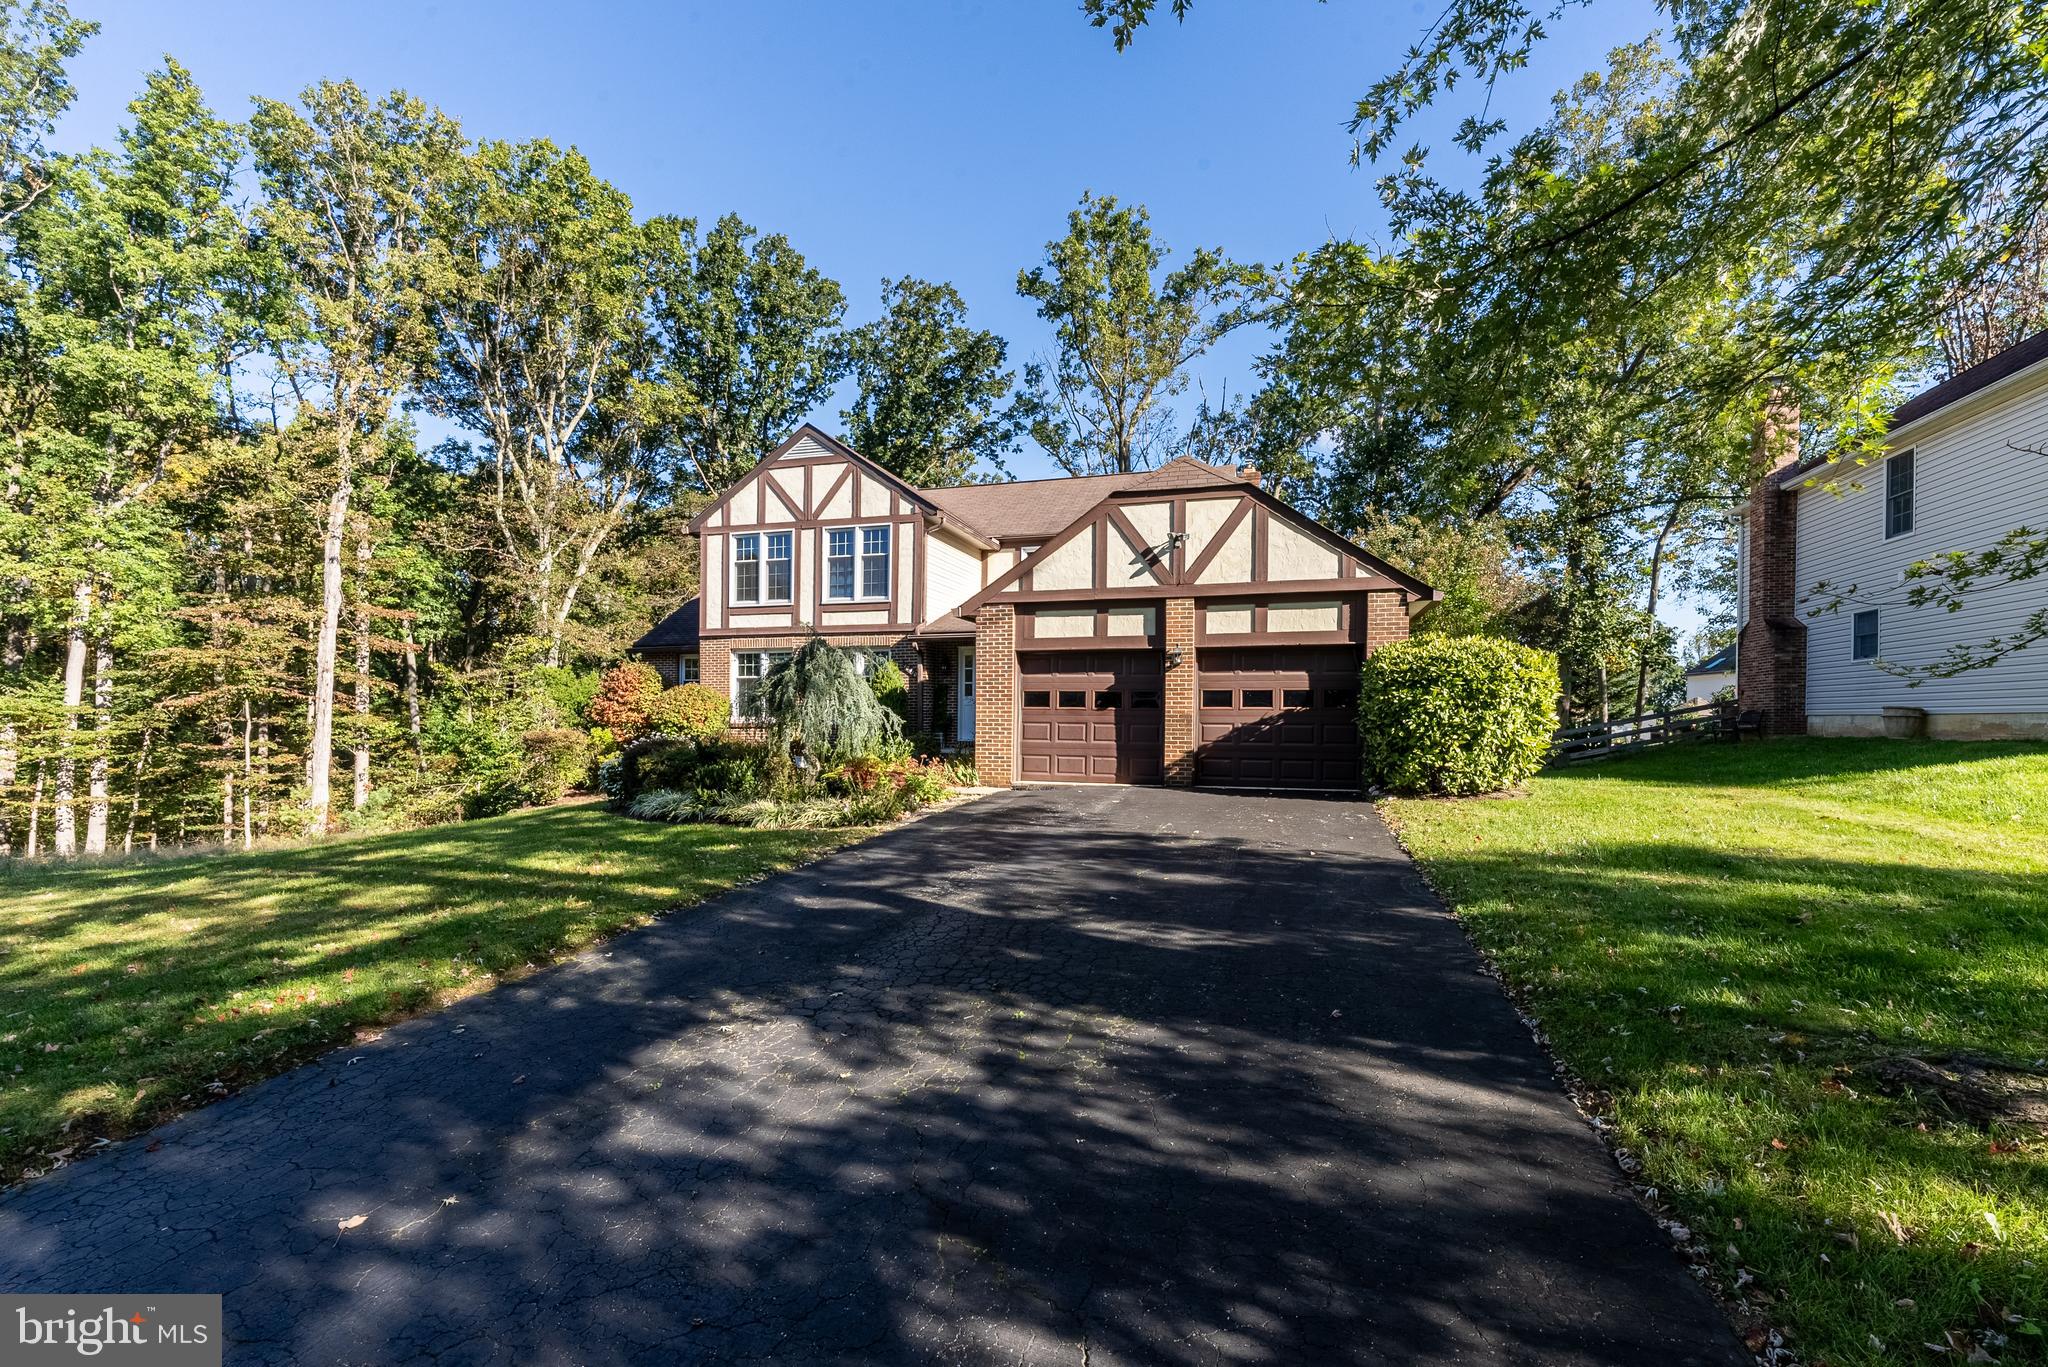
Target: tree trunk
(360,797)
(263,764)
(135,797)
(12,653)
(1650,611)
(65,817)
(320,759)
(35,814)
(412,700)
(102,745)
(248,741)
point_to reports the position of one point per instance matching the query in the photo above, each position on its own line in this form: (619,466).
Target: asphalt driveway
(1078,1075)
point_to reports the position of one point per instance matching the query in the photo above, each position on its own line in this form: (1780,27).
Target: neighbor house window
(1898,494)
(1863,636)
(839,563)
(749,667)
(874,562)
(746,568)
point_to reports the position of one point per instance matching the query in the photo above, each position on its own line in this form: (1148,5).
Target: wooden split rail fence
(1698,721)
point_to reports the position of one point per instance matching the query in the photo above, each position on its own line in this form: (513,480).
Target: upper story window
(1898,494)
(856,563)
(874,562)
(762,569)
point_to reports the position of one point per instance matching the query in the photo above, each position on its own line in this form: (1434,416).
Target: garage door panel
(1091,716)
(1277,717)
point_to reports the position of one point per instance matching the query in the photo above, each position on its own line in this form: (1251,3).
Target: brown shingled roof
(1028,509)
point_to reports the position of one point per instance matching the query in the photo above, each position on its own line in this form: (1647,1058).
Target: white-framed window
(856,564)
(1898,495)
(1863,635)
(686,668)
(874,562)
(763,567)
(749,667)
(839,564)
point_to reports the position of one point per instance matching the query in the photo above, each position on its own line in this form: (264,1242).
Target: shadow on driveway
(1087,1075)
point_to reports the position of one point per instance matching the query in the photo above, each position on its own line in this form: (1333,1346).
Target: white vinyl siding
(951,576)
(1971,486)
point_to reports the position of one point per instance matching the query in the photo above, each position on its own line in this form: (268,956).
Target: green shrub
(891,688)
(557,759)
(922,787)
(689,710)
(1456,715)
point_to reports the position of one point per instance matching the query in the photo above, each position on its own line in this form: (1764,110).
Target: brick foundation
(1180,721)
(995,687)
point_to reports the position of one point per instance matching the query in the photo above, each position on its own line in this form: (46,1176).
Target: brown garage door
(1279,717)
(1090,717)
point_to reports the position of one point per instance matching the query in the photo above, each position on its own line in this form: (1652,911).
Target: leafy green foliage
(1125,333)
(1719,964)
(1456,715)
(689,710)
(891,688)
(748,333)
(933,402)
(821,708)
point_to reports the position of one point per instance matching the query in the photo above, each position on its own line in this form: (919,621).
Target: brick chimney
(1770,659)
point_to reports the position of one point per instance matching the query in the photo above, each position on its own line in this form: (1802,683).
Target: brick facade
(714,660)
(995,687)
(1386,619)
(1180,720)
(1770,663)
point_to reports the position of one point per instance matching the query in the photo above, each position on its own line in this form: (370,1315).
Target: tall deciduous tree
(934,401)
(539,297)
(1124,333)
(132,250)
(349,184)
(748,337)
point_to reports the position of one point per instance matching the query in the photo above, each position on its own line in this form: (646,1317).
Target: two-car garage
(1267,717)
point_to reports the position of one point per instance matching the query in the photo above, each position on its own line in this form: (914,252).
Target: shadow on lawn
(1030,1080)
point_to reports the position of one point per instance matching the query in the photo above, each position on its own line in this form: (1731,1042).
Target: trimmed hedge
(1456,715)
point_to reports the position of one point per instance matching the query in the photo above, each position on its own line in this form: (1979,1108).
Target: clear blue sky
(940,138)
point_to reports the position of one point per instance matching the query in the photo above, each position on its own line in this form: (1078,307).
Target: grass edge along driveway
(1716,937)
(132,991)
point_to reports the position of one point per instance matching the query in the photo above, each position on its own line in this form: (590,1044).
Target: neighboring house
(1711,675)
(1960,469)
(1177,625)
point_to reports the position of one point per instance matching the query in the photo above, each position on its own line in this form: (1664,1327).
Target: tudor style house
(1178,625)
(1963,464)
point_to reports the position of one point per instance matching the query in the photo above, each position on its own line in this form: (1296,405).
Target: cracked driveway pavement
(1073,1075)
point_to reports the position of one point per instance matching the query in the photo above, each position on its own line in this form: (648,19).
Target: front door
(966,693)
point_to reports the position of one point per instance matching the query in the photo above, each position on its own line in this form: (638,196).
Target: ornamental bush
(1456,715)
(622,698)
(689,710)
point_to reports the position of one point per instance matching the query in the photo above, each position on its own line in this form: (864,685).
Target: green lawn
(1716,936)
(129,990)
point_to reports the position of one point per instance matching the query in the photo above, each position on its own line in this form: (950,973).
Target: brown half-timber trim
(1131,534)
(1278,588)
(1229,528)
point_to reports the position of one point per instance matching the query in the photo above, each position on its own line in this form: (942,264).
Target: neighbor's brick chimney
(1770,661)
